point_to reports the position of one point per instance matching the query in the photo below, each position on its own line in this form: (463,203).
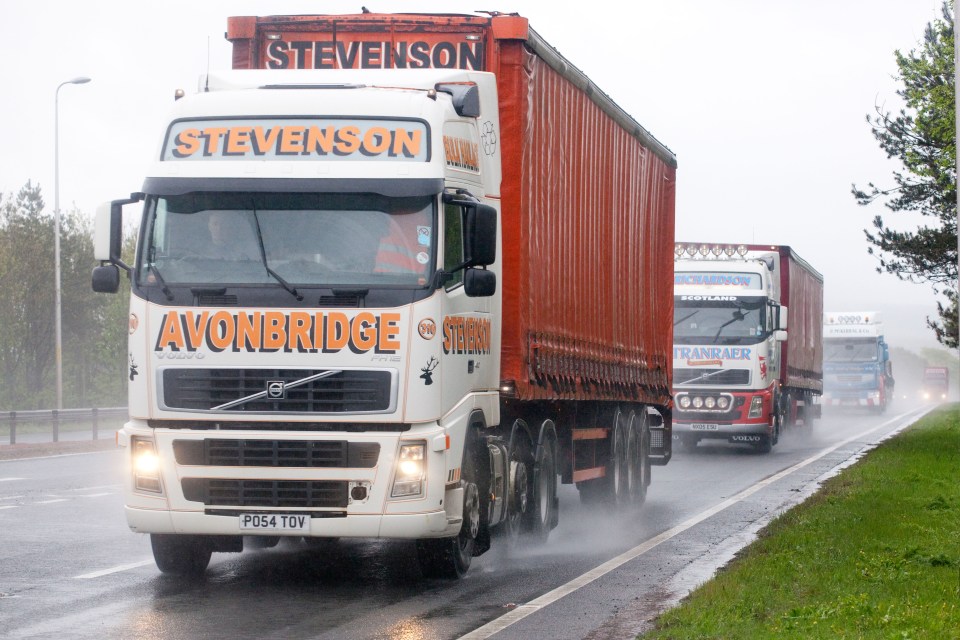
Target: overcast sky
(763,101)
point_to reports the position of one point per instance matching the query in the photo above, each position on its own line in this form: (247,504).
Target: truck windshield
(293,240)
(850,350)
(730,321)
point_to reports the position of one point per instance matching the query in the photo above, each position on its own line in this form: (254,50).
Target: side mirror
(479,283)
(782,317)
(106,279)
(108,230)
(480,235)
(780,335)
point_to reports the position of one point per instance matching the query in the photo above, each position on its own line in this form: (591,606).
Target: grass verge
(875,553)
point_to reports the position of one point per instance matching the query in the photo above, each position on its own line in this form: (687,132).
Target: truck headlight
(411,470)
(756,407)
(146,465)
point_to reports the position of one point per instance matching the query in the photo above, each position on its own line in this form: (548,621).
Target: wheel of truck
(765,445)
(542,516)
(619,467)
(688,442)
(520,489)
(787,417)
(450,557)
(180,555)
(639,462)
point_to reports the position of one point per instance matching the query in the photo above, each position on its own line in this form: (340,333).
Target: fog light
(146,465)
(710,403)
(756,407)
(411,470)
(723,403)
(697,402)
(684,402)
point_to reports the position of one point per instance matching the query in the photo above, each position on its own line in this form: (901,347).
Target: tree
(922,138)
(94,326)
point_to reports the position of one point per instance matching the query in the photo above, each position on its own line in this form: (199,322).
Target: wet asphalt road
(69,567)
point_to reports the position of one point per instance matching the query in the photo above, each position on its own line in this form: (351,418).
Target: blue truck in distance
(857,371)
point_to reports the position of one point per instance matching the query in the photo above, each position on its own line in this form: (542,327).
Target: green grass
(874,554)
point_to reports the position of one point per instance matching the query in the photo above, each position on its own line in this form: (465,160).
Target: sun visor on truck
(394,188)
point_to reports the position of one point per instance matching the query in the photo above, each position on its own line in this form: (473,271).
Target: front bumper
(348,498)
(413,526)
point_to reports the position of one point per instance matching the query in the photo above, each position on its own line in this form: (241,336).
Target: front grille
(706,415)
(340,391)
(277,453)
(293,494)
(684,375)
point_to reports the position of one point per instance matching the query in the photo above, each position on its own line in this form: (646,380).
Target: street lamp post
(56,231)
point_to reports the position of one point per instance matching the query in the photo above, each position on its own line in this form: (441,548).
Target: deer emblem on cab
(427,374)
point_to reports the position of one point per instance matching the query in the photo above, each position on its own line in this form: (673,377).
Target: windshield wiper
(163,283)
(686,317)
(738,315)
(263,258)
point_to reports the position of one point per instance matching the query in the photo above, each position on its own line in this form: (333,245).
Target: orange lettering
(389,338)
(299,333)
(291,140)
(363,331)
(274,336)
(238,141)
(221,330)
(349,140)
(319,140)
(264,141)
(248,332)
(188,143)
(406,143)
(376,140)
(196,326)
(171,333)
(337,335)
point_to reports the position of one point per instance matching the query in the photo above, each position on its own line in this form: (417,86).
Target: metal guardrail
(55,417)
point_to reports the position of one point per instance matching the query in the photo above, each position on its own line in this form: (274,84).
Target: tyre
(181,555)
(765,445)
(520,489)
(619,467)
(639,461)
(688,442)
(450,557)
(542,515)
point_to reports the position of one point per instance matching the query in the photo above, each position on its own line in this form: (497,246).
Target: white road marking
(95,495)
(116,569)
(10,479)
(524,610)
(9,497)
(9,506)
(50,501)
(101,486)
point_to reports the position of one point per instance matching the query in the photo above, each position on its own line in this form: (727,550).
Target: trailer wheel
(638,450)
(181,555)
(619,485)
